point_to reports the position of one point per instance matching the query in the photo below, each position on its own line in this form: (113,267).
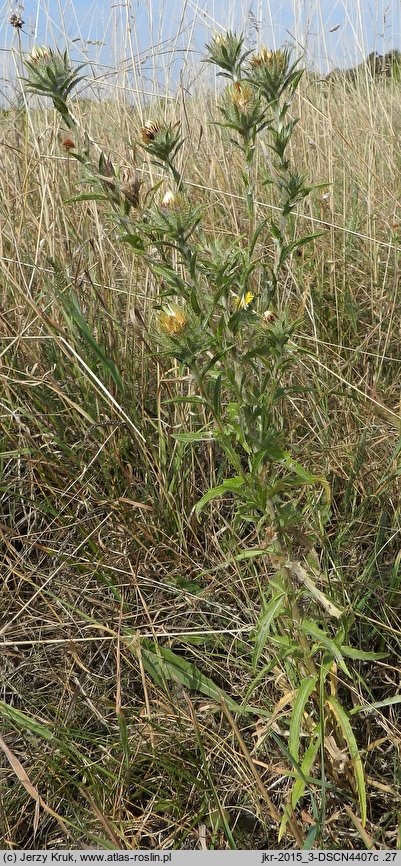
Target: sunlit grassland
(129,625)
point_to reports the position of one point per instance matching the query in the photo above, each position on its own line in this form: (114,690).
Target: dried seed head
(172,321)
(130,186)
(150,131)
(268,317)
(108,168)
(16,20)
(68,143)
(270,534)
(108,174)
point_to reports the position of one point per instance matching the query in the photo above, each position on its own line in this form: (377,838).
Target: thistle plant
(51,74)
(163,144)
(239,350)
(219,313)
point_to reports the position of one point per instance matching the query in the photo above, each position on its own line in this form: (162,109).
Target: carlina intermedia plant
(50,73)
(221,315)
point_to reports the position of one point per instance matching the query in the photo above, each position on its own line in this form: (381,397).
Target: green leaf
(196,436)
(26,722)
(302,241)
(230,485)
(272,610)
(213,361)
(388,702)
(63,741)
(299,470)
(304,692)
(252,553)
(72,308)
(190,400)
(276,233)
(306,766)
(300,784)
(348,734)
(361,655)
(164,664)
(311,629)
(122,725)
(311,836)
(216,398)
(86,196)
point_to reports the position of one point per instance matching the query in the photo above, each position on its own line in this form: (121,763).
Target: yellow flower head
(242,303)
(241,95)
(172,320)
(219,38)
(264,57)
(279,58)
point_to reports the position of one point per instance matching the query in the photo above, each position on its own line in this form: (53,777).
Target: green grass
(152,692)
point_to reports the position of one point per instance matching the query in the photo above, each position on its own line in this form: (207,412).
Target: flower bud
(169,200)
(269,317)
(68,143)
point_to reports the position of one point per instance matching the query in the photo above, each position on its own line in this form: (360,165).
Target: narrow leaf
(300,784)
(230,485)
(196,436)
(319,635)
(268,616)
(303,694)
(388,702)
(165,664)
(348,734)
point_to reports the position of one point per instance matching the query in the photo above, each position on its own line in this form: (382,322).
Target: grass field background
(124,617)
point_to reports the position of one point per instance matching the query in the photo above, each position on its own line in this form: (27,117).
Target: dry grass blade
(302,576)
(367,840)
(296,832)
(23,777)
(106,824)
